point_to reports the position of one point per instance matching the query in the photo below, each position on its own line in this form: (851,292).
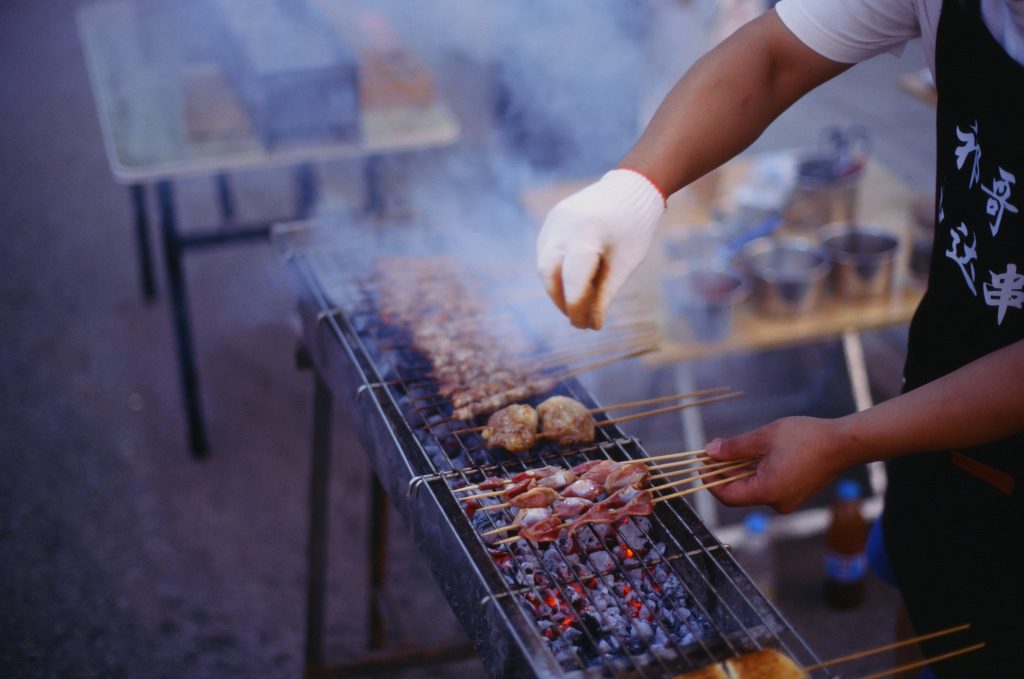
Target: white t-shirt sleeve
(850,31)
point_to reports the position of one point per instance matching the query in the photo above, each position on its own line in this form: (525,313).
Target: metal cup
(788,274)
(864,258)
(705,296)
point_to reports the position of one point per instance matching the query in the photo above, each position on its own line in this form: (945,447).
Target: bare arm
(979,403)
(726,100)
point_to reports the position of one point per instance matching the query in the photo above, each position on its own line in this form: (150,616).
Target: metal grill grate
(722,612)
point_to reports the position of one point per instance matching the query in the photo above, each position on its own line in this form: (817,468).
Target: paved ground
(119,555)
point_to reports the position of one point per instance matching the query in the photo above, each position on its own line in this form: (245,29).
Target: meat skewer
(565,421)
(625,406)
(596,470)
(653,501)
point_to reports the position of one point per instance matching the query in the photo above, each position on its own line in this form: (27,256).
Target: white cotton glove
(594,239)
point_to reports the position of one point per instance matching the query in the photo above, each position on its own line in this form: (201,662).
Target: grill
(655,597)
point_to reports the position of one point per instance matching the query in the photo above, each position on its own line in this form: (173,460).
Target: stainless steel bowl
(788,274)
(705,296)
(864,258)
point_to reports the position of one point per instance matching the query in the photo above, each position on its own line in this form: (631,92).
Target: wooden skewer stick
(888,647)
(656,500)
(503,529)
(490,508)
(668,409)
(927,661)
(661,399)
(480,496)
(600,364)
(720,466)
(690,491)
(673,456)
(729,466)
(683,463)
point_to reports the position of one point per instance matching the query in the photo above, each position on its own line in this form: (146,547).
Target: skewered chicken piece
(568,507)
(583,488)
(538,496)
(566,421)
(529,516)
(627,474)
(513,428)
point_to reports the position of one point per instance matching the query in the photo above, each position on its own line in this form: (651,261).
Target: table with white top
(166,116)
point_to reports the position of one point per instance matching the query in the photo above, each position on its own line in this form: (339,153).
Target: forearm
(725,101)
(979,403)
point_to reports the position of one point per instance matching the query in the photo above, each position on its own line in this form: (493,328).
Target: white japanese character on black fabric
(999,197)
(1006,290)
(970,146)
(964,256)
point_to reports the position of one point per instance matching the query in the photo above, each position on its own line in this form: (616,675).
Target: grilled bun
(766,664)
(715,671)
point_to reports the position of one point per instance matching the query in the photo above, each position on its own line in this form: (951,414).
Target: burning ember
(594,600)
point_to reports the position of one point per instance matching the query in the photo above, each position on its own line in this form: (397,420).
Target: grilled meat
(566,420)
(513,428)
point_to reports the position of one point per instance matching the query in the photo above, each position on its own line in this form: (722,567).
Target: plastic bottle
(846,548)
(756,554)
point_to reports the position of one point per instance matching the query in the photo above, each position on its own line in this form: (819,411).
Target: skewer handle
(887,647)
(668,409)
(927,661)
(690,491)
(661,399)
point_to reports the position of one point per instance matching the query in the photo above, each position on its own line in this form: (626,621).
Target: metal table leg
(226,200)
(316,583)
(695,438)
(142,246)
(173,251)
(372,176)
(379,510)
(305,191)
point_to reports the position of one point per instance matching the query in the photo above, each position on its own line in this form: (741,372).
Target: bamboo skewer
(661,399)
(926,661)
(673,456)
(690,491)
(668,409)
(684,463)
(712,470)
(888,647)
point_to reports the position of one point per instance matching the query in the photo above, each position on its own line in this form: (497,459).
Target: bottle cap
(756,523)
(848,489)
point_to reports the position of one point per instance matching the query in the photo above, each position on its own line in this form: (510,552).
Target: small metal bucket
(864,258)
(788,274)
(705,296)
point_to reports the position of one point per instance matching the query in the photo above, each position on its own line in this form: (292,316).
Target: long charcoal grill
(665,597)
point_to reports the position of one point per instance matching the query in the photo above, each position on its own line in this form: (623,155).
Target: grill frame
(499,627)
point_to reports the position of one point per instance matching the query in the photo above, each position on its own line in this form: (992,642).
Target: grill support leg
(174,250)
(316,584)
(378,553)
(142,246)
(305,191)
(226,199)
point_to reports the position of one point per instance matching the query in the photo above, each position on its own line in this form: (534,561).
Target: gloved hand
(593,240)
